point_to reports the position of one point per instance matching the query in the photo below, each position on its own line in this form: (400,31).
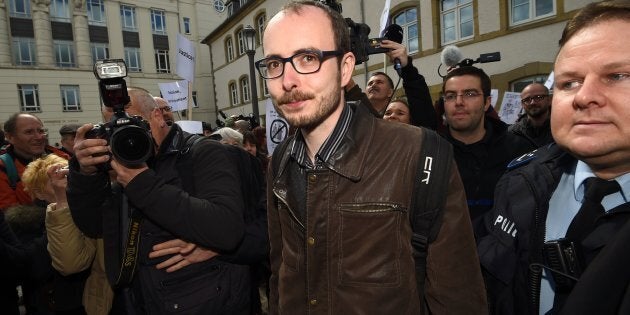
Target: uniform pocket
(370,244)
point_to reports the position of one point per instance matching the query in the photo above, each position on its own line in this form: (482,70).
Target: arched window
(260,27)
(233,93)
(245,88)
(408,20)
(229,49)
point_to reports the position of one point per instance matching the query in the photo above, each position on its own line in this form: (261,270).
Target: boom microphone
(451,56)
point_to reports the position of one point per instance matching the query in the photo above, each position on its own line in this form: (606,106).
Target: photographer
(158,201)
(380,89)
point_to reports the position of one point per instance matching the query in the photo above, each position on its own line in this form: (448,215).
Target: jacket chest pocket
(370,244)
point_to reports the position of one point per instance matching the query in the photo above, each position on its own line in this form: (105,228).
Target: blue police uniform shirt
(563,206)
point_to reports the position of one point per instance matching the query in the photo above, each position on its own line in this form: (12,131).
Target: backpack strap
(10,169)
(430,187)
(278,154)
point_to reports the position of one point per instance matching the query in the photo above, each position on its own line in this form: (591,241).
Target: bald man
(165,109)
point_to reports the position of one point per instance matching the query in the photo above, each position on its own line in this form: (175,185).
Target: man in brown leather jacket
(338,203)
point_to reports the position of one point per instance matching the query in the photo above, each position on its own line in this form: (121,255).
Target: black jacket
(202,205)
(481,165)
(537,137)
(516,233)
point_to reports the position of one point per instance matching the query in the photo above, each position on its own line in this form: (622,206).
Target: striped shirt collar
(328,148)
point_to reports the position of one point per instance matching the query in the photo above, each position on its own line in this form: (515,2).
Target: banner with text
(176,93)
(185,58)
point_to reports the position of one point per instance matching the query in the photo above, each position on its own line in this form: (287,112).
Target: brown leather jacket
(352,253)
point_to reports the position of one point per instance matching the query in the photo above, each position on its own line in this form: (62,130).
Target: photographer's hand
(89,152)
(397,51)
(184,254)
(124,175)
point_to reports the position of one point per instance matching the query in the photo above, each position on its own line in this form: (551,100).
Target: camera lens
(131,145)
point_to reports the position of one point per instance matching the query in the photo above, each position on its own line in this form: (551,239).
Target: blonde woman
(71,252)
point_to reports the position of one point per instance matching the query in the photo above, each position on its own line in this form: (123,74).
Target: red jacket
(10,196)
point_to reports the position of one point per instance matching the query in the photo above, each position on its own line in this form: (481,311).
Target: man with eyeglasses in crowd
(165,109)
(482,146)
(534,125)
(338,200)
(27,138)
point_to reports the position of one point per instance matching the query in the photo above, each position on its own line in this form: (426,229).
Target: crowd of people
(531,218)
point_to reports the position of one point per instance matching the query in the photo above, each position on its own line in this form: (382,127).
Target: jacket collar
(349,159)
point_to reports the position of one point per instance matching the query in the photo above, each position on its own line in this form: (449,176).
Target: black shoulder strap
(430,187)
(278,153)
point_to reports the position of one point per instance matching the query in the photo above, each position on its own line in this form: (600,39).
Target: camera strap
(130,254)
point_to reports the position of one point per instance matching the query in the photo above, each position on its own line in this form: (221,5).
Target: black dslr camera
(360,42)
(129,137)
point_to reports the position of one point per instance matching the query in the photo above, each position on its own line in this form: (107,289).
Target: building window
(158,22)
(128,17)
(162,64)
(245,89)
(240,36)
(229,49)
(100,51)
(132,59)
(64,53)
(96,12)
(233,94)
(230,8)
(265,89)
(24,53)
(194,96)
(457,20)
(241,3)
(186,25)
(523,11)
(29,98)
(70,98)
(59,10)
(260,27)
(20,8)
(408,20)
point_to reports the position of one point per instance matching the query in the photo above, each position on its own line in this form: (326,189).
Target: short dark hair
(249,136)
(11,124)
(338,23)
(470,70)
(389,79)
(595,13)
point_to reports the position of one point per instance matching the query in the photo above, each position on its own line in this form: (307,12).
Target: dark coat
(202,205)
(348,251)
(537,137)
(481,165)
(516,233)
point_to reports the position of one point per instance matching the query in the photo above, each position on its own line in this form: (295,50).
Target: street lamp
(250,48)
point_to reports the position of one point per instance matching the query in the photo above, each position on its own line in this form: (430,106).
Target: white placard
(185,65)
(176,94)
(277,127)
(549,82)
(494,97)
(510,107)
(191,126)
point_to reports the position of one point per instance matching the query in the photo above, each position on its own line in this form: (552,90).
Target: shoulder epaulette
(523,160)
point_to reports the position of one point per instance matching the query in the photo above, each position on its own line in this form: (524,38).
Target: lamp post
(250,48)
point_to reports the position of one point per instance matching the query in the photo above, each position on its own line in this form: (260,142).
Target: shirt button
(311,241)
(313,302)
(312,178)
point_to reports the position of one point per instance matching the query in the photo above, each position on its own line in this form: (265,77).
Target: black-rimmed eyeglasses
(536,98)
(304,62)
(166,108)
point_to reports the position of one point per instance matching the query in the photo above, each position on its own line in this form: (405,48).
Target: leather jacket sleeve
(420,104)
(454,284)
(69,249)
